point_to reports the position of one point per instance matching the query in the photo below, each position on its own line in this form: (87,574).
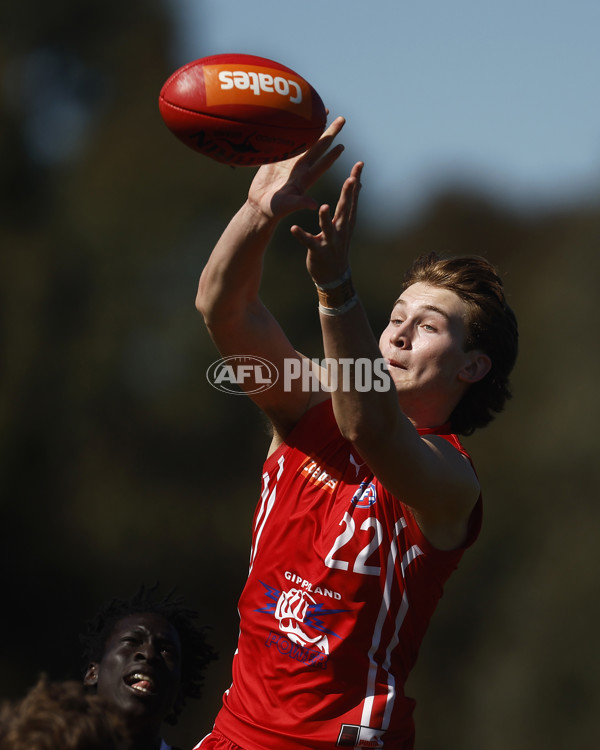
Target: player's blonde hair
(491,327)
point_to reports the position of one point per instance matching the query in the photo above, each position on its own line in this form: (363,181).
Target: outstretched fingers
(321,156)
(309,241)
(326,224)
(326,139)
(355,175)
(346,208)
(279,189)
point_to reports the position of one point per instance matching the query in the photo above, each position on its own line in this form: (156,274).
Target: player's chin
(402,383)
(397,373)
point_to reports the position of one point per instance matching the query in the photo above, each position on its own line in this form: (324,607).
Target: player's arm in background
(426,472)
(228,291)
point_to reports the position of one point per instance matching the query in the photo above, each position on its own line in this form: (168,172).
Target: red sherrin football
(241,109)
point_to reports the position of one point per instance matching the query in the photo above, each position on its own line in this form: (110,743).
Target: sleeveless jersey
(341,588)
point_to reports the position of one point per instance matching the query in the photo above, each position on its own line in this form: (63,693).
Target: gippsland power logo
(242,374)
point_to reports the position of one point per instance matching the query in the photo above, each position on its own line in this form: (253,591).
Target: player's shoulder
(316,415)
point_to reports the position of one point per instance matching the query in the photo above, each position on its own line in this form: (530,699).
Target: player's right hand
(280,188)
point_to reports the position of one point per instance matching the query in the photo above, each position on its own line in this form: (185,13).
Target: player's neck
(426,413)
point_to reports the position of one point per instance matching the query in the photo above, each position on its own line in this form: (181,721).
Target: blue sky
(499,95)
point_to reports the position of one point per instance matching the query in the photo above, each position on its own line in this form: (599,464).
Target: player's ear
(476,367)
(91,676)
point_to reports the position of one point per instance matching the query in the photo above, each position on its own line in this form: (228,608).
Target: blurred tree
(103,425)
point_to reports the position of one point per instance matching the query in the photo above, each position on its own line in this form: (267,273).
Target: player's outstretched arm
(228,291)
(426,472)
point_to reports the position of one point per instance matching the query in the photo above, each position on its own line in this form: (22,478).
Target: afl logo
(365,498)
(242,374)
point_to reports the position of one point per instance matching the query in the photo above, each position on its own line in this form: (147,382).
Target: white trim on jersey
(369,700)
(266,506)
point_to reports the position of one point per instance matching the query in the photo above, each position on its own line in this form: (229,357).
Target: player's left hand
(328,252)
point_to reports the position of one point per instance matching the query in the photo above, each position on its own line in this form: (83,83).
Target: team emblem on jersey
(299,617)
(365,496)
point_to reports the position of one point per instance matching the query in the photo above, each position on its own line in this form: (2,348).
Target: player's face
(140,670)
(423,344)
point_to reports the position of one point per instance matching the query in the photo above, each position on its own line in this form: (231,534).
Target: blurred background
(119,464)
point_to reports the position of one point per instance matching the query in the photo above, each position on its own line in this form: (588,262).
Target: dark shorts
(216,741)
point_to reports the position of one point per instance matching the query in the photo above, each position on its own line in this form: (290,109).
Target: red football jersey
(341,588)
